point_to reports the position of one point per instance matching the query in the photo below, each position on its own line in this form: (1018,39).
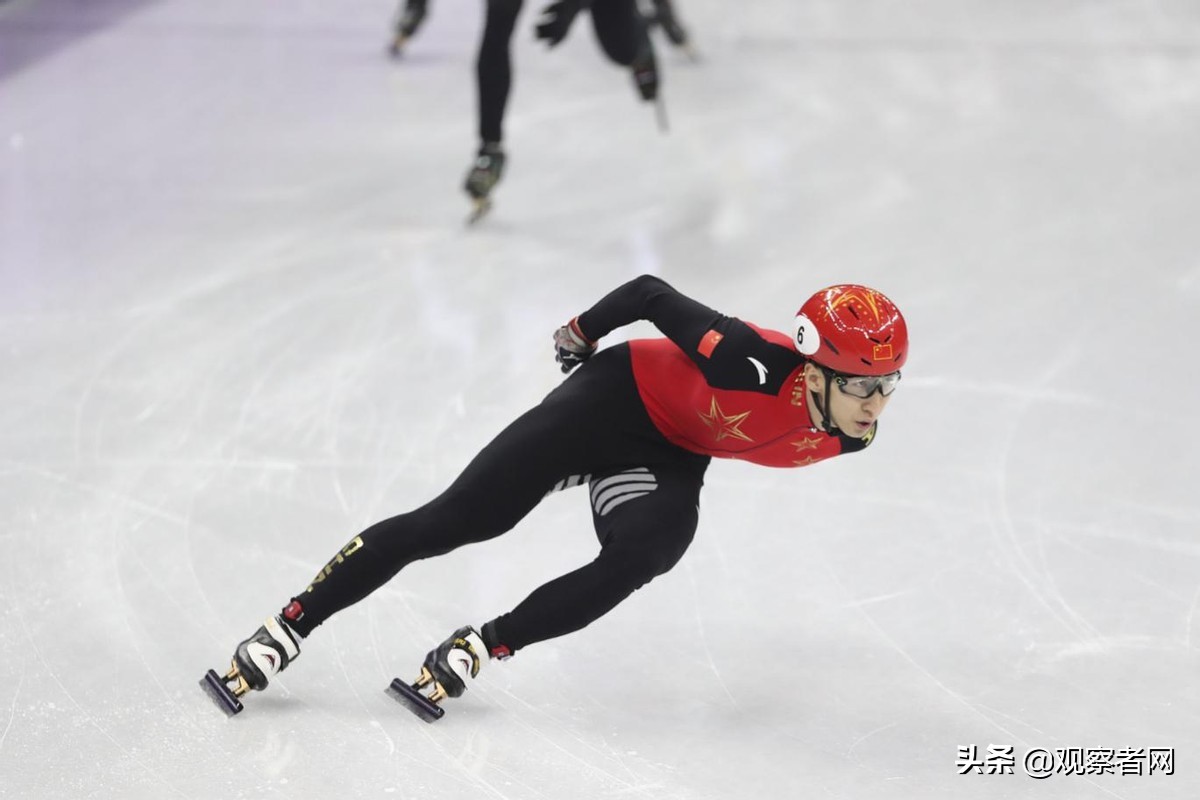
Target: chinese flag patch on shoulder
(709,342)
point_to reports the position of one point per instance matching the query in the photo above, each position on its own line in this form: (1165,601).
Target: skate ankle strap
(282,634)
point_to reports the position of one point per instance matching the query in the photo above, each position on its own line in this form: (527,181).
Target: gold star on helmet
(724,426)
(867,298)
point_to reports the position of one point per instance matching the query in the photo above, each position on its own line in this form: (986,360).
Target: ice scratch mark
(1187,640)
(866,736)
(866,601)
(712,663)
(12,711)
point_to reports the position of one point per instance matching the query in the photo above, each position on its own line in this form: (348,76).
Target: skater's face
(852,414)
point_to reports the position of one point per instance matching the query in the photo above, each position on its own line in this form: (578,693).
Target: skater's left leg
(493,67)
(645,521)
(493,81)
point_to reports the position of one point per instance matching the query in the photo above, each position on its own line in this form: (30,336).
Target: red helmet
(853,330)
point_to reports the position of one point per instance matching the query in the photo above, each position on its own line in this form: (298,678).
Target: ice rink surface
(242,319)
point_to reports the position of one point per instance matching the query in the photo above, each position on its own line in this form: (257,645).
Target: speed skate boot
(482,179)
(447,669)
(646,79)
(407,22)
(258,659)
(645,71)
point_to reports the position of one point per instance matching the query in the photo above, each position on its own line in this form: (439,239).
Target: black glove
(556,20)
(571,347)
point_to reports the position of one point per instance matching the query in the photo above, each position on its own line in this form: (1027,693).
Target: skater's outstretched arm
(720,346)
(556,20)
(678,316)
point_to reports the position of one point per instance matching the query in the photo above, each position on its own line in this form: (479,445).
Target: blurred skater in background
(621,28)
(623,36)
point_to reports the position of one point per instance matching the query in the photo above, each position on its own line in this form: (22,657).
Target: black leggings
(619,28)
(592,429)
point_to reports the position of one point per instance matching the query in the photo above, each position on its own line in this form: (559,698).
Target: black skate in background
(485,173)
(408,20)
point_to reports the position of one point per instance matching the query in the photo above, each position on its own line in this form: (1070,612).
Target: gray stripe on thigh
(569,482)
(610,492)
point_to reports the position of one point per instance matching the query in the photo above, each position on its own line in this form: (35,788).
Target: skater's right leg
(498,488)
(487,499)
(581,426)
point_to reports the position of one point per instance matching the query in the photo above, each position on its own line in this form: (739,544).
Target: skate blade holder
(218,689)
(424,706)
(396,46)
(660,114)
(480,206)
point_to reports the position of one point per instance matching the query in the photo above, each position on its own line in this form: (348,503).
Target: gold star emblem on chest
(806,444)
(722,425)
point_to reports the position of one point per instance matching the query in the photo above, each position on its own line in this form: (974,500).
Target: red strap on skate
(293,611)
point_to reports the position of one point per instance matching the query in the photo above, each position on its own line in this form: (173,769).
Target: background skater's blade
(660,110)
(220,694)
(416,702)
(482,205)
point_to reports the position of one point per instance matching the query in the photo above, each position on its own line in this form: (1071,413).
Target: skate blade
(660,112)
(396,48)
(216,689)
(414,701)
(482,206)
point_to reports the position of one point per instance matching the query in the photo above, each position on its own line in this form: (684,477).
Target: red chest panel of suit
(773,430)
